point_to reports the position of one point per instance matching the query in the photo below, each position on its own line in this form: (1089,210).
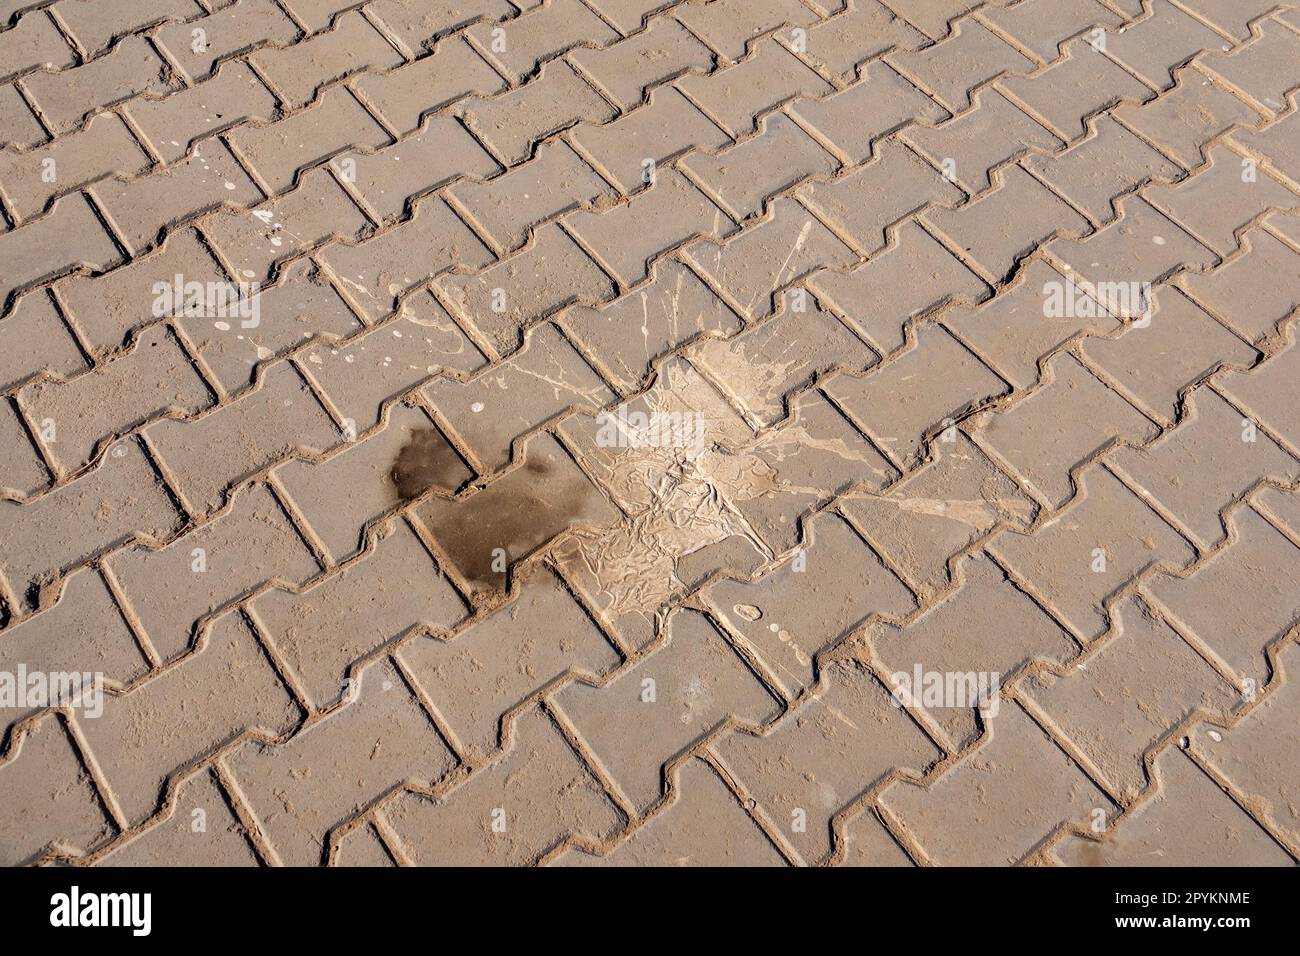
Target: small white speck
(476,407)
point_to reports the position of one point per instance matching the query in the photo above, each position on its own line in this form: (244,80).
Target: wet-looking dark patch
(426,461)
(485,532)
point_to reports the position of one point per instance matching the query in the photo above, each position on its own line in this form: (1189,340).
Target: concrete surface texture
(579,432)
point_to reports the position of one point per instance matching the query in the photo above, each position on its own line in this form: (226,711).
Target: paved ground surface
(948,345)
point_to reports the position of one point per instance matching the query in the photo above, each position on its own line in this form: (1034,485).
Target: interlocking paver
(562,431)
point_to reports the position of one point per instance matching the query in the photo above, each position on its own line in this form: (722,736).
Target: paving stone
(1064,94)
(811,604)
(154,379)
(509,671)
(246,436)
(933,17)
(319,633)
(118,500)
(1257,70)
(361,377)
(989,134)
(1097,169)
(340,495)
(227,32)
(255,242)
(847,738)
(937,511)
(516,47)
(379,740)
(1249,755)
(34,339)
(1129,695)
(390,178)
(1083,556)
(622,71)
(627,237)
(939,642)
(1237,633)
(547,275)
(173,124)
(895,184)
(848,121)
(891,278)
(652,134)
(506,208)
(37,252)
(625,336)
(82,632)
(1268,391)
(969,57)
(297,72)
(483,534)
(1252,292)
(1006,224)
(1152,47)
(29,180)
(1155,363)
(1186,118)
(1276,144)
(866,30)
(537,383)
(96,25)
(33,43)
(537,795)
(697,681)
(1199,468)
(144,208)
(405,95)
(899,412)
(278,153)
(734,97)
(1141,246)
(996,811)
(730,26)
(67,97)
(301,306)
(1041,26)
(18,124)
(1150,835)
(1217,202)
(706,826)
(1044,444)
(741,177)
(767,257)
(202,571)
(60,809)
(1012,331)
(435,240)
(513,123)
(773,366)
(417,22)
(226,688)
(221,840)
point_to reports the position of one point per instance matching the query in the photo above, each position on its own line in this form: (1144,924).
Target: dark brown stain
(515,514)
(427,461)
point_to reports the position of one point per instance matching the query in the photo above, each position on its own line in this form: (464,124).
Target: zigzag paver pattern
(366,579)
